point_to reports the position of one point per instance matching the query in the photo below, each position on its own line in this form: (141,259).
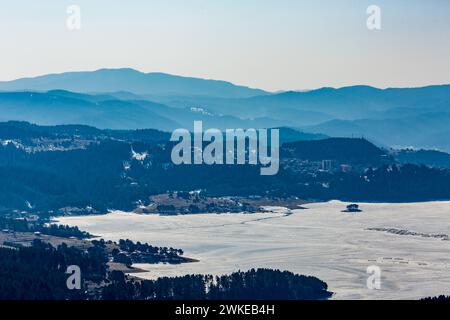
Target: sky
(268,44)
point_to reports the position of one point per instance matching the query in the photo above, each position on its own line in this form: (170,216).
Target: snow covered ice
(321,241)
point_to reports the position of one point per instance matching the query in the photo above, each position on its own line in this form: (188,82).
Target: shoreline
(57,218)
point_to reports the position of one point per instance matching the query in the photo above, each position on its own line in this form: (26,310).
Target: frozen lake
(321,241)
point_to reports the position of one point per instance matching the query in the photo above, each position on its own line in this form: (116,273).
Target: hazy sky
(270,44)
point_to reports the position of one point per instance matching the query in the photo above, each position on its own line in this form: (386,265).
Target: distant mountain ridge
(428,130)
(104,111)
(347,103)
(398,117)
(126,79)
(61,107)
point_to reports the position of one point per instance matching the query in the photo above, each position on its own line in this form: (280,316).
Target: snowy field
(321,241)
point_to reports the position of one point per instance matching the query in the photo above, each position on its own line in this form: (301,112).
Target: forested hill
(26,131)
(83,170)
(424,157)
(341,149)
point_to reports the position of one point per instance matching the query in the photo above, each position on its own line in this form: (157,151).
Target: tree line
(38,272)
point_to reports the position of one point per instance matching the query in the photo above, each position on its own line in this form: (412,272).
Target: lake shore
(321,241)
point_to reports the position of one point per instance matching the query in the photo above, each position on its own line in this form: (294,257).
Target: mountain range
(130,80)
(129,99)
